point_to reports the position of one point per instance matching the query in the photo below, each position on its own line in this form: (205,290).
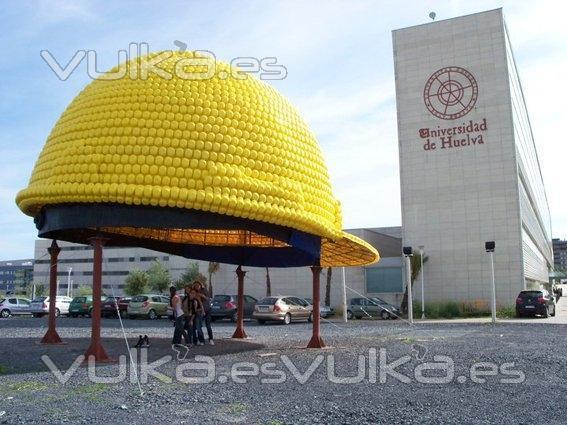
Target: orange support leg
(239,332)
(316,340)
(96,349)
(51,336)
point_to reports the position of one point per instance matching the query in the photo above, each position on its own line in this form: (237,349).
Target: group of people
(189,313)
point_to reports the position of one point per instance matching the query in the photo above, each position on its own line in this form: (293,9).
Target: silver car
(14,305)
(282,309)
(39,306)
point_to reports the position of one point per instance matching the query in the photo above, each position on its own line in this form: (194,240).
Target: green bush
(506,312)
(454,309)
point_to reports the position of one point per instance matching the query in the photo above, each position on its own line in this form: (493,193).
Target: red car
(108,308)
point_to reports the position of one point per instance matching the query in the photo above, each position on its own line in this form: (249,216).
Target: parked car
(283,309)
(324,310)
(225,307)
(13,306)
(372,307)
(82,306)
(152,306)
(531,303)
(39,306)
(108,308)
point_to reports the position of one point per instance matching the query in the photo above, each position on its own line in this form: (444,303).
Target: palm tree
(268,283)
(213,268)
(328,287)
(415,265)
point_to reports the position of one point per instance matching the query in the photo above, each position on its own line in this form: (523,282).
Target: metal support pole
(344,300)
(51,336)
(316,340)
(408,283)
(422,283)
(239,332)
(493,300)
(96,349)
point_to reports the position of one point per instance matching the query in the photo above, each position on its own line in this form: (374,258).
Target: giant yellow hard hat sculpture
(215,167)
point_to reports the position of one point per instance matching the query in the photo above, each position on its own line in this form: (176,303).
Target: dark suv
(531,303)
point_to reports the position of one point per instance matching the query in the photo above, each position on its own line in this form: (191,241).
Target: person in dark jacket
(193,309)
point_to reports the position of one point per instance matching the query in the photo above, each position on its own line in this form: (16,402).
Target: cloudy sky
(340,75)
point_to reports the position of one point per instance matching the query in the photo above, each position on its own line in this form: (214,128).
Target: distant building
(15,275)
(560,254)
(384,279)
(469,167)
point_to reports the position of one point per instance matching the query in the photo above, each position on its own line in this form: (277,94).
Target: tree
(84,290)
(213,268)
(328,287)
(39,290)
(415,265)
(159,278)
(136,282)
(201,278)
(189,275)
(268,283)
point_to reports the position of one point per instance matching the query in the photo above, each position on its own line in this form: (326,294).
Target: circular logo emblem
(450,93)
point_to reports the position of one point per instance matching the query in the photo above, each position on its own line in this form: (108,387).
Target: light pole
(489,247)
(421,248)
(70,269)
(408,253)
(345,315)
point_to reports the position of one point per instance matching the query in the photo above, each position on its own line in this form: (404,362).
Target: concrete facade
(468,164)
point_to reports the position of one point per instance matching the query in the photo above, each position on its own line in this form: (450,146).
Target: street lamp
(70,269)
(407,251)
(421,250)
(489,247)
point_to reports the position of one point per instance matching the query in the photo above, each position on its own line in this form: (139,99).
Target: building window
(381,280)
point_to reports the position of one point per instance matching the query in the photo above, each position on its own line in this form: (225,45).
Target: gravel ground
(27,393)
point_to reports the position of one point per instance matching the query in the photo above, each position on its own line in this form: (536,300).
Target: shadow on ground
(23,355)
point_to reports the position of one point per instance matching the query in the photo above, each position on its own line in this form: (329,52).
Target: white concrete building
(468,163)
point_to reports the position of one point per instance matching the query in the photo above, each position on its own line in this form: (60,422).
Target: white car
(14,305)
(39,306)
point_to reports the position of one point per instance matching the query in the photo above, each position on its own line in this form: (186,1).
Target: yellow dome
(229,144)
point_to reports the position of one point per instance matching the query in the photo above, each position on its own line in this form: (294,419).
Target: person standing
(179,317)
(193,309)
(205,299)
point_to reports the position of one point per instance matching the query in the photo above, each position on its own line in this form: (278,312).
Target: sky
(340,75)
